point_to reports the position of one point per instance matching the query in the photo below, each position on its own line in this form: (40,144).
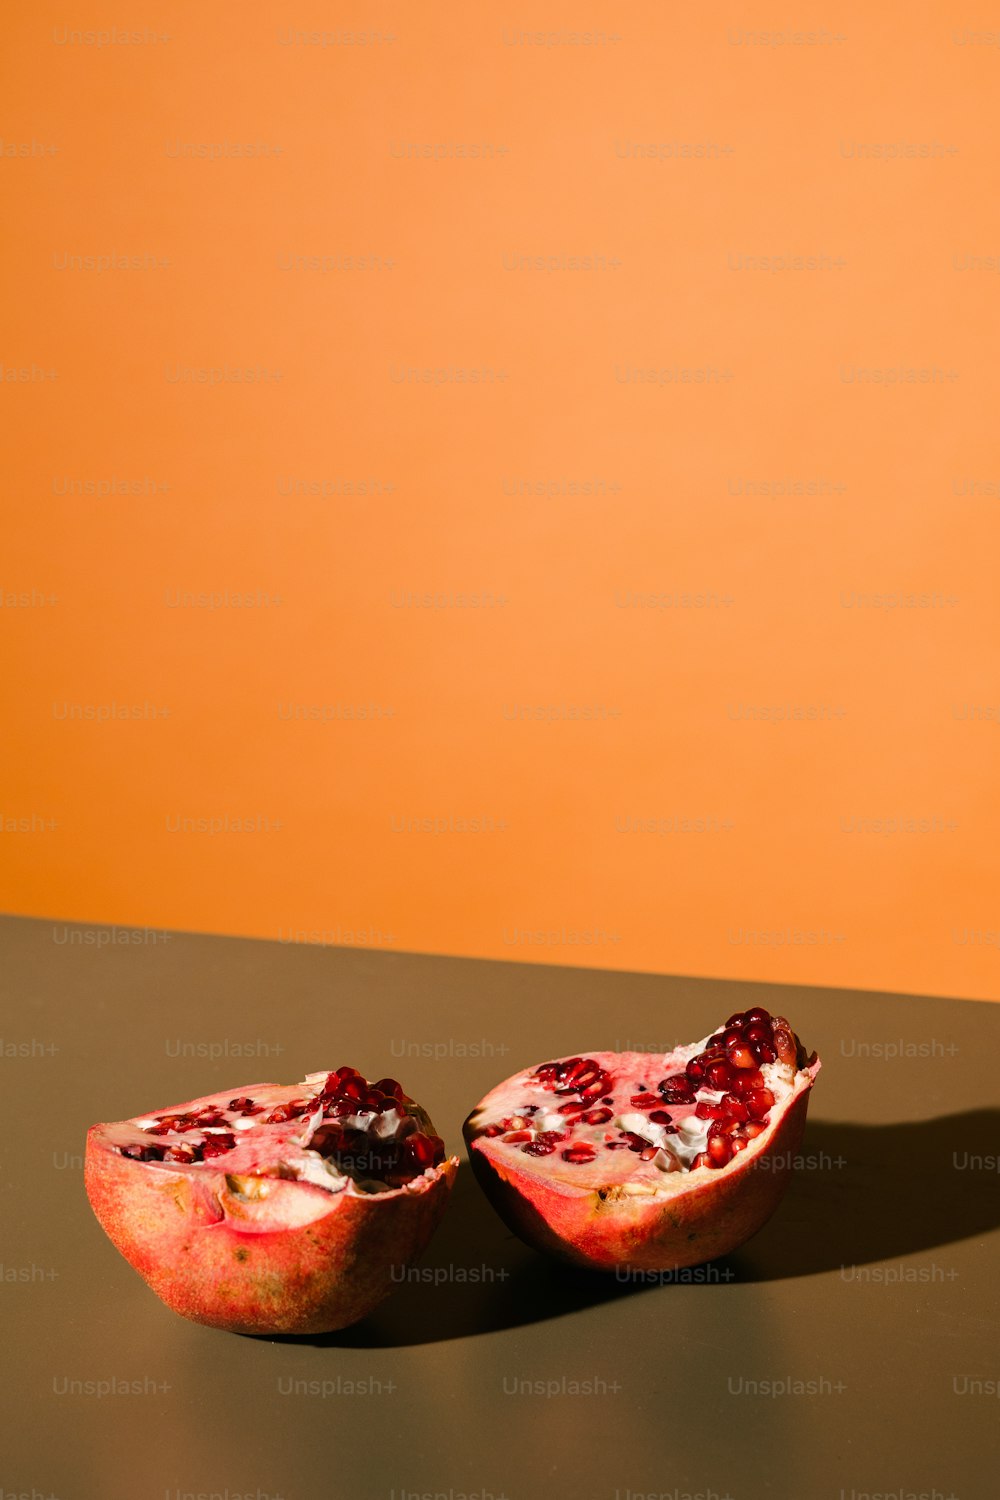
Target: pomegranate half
(647,1161)
(273,1209)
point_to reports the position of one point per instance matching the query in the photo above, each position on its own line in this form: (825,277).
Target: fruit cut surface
(270,1208)
(685,1157)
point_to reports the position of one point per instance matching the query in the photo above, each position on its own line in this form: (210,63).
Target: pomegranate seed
(424,1150)
(493,1130)
(143,1153)
(661,1117)
(736,1020)
(675,1092)
(736,1145)
(720,1075)
(390,1086)
(741,1056)
(735,1108)
(648,1154)
(754,1129)
(599,1116)
(719,1151)
(644,1101)
(759,1103)
(580,1153)
(616,1146)
(784,1045)
(607,1099)
(183,1151)
(538,1148)
(765,1052)
(217,1145)
(517,1135)
(757,1014)
(706,1111)
(575,1107)
(290,1111)
(744,1082)
(701,1160)
(758,1032)
(695,1070)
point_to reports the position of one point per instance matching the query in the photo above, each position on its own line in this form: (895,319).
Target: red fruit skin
(296,1260)
(711,1213)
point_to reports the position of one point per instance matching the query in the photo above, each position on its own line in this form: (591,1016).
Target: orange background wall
(664,734)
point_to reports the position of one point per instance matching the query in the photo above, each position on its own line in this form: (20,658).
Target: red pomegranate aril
(182,1151)
(575,1107)
(720,1075)
(616,1146)
(736,1020)
(517,1136)
(422,1149)
(144,1153)
(760,1102)
(719,1151)
(701,1160)
(290,1111)
(765,1052)
(594,1090)
(758,1032)
(707,1111)
(731,1036)
(784,1045)
(579,1153)
(661,1117)
(217,1145)
(735,1108)
(539,1148)
(754,1129)
(648,1153)
(389,1086)
(737,1144)
(599,1116)
(741,1056)
(644,1101)
(745,1081)
(677,1083)
(695,1070)
(757,1014)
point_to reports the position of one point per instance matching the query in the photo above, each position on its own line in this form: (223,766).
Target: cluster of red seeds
(729,1064)
(345,1093)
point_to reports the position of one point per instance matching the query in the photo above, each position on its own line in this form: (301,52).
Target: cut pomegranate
(631,1182)
(276,1209)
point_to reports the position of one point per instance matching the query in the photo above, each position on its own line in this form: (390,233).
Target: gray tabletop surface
(850,1350)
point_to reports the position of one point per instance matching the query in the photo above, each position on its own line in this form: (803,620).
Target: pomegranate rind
(695,1216)
(264,1254)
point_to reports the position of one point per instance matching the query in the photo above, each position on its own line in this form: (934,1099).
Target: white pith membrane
(284,1149)
(669,1168)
